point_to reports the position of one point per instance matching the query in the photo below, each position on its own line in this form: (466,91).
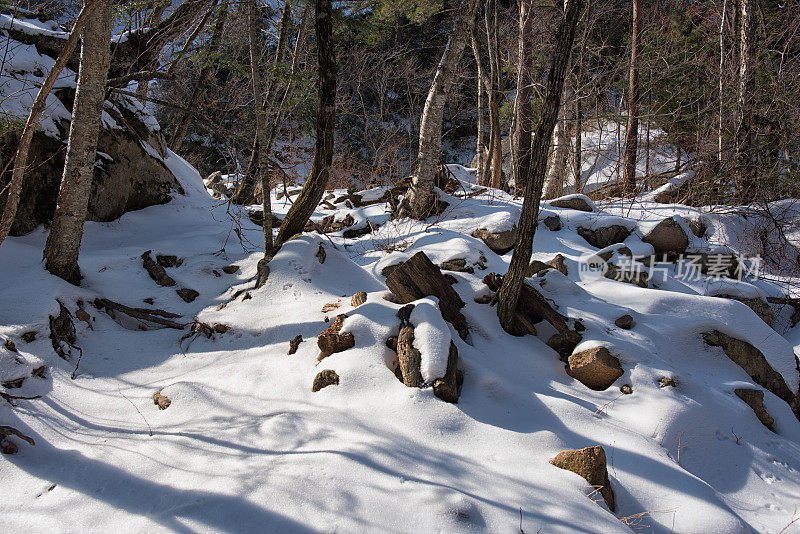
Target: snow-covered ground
(246,446)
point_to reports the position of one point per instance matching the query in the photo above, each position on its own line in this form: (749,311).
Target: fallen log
(154,316)
(156,271)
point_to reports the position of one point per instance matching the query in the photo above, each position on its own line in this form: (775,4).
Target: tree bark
(721,74)
(421,195)
(480,146)
(524,113)
(21,157)
(632,130)
(745,143)
(512,283)
(205,72)
(495,95)
(63,243)
(559,156)
(315,185)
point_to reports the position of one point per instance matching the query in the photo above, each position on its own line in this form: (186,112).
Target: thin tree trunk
(63,243)
(21,156)
(721,74)
(205,72)
(514,278)
(315,185)
(523,111)
(261,133)
(495,95)
(577,155)
(745,146)
(559,156)
(632,130)
(421,195)
(480,147)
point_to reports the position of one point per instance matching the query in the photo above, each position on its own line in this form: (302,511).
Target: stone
(698,227)
(626,389)
(667,237)
(9,345)
(166,260)
(294,343)
(330,306)
(553,223)
(230,269)
(321,254)
(156,271)
(358,299)
(332,341)
(628,274)
(573,202)
(262,275)
(605,236)
(590,463)
(325,378)
(458,265)
(188,295)
(162,401)
(625,322)
(595,368)
(83,315)
(536,267)
(558,264)
(499,242)
(220,328)
(14,384)
(755,399)
(667,382)
(29,337)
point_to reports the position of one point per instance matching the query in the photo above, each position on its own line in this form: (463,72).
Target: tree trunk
(632,131)
(721,75)
(512,282)
(315,185)
(559,156)
(205,72)
(745,145)
(21,157)
(480,147)
(524,113)
(577,155)
(64,241)
(421,195)
(495,95)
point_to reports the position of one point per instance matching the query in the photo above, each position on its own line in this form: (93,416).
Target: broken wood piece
(156,271)
(154,316)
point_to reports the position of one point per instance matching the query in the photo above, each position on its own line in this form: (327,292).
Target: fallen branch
(142,314)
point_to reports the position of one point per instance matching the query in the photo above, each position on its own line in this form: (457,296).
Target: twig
(77,363)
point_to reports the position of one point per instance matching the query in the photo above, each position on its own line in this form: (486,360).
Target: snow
(431,338)
(246,446)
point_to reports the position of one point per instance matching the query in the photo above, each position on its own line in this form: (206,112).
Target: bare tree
(315,185)
(63,243)
(524,113)
(512,282)
(632,131)
(744,134)
(559,156)
(21,156)
(421,196)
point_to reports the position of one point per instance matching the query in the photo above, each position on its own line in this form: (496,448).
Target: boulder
(755,399)
(604,236)
(358,299)
(595,368)
(331,341)
(667,237)
(230,269)
(553,223)
(625,322)
(324,379)
(755,364)
(667,382)
(536,267)
(499,242)
(188,295)
(558,264)
(573,202)
(590,463)
(457,265)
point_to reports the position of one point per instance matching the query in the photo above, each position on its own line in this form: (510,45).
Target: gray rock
(499,242)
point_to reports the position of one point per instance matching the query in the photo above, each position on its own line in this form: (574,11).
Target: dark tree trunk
(314,187)
(632,131)
(524,113)
(64,241)
(512,282)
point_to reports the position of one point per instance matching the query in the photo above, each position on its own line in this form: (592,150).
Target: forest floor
(246,446)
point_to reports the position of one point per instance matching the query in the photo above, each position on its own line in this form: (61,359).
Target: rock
(324,379)
(14,384)
(626,389)
(330,224)
(483,299)
(391,343)
(188,295)
(262,275)
(605,236)
(62,332)
(590,463)
(573,202)
(759,306)
(9,345)
(553,223)
(628,274)
(666,382)
(458,265)
(698,227)
(358,299)
(29,337)
(321,254)
(754,364)
(667,237)
(294,343)
(418,277)
(595,368)
(558,264)
(755,399)
(83,315)
(162,401)
(446,388)
(166,260)
(230,269)
(257,218)
(331,341)
(156,271)
(330,306)
(536,267)
(220,328)
(499,242)
(38,371)
(625,322)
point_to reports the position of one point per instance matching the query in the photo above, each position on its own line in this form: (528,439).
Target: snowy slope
(246,446)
